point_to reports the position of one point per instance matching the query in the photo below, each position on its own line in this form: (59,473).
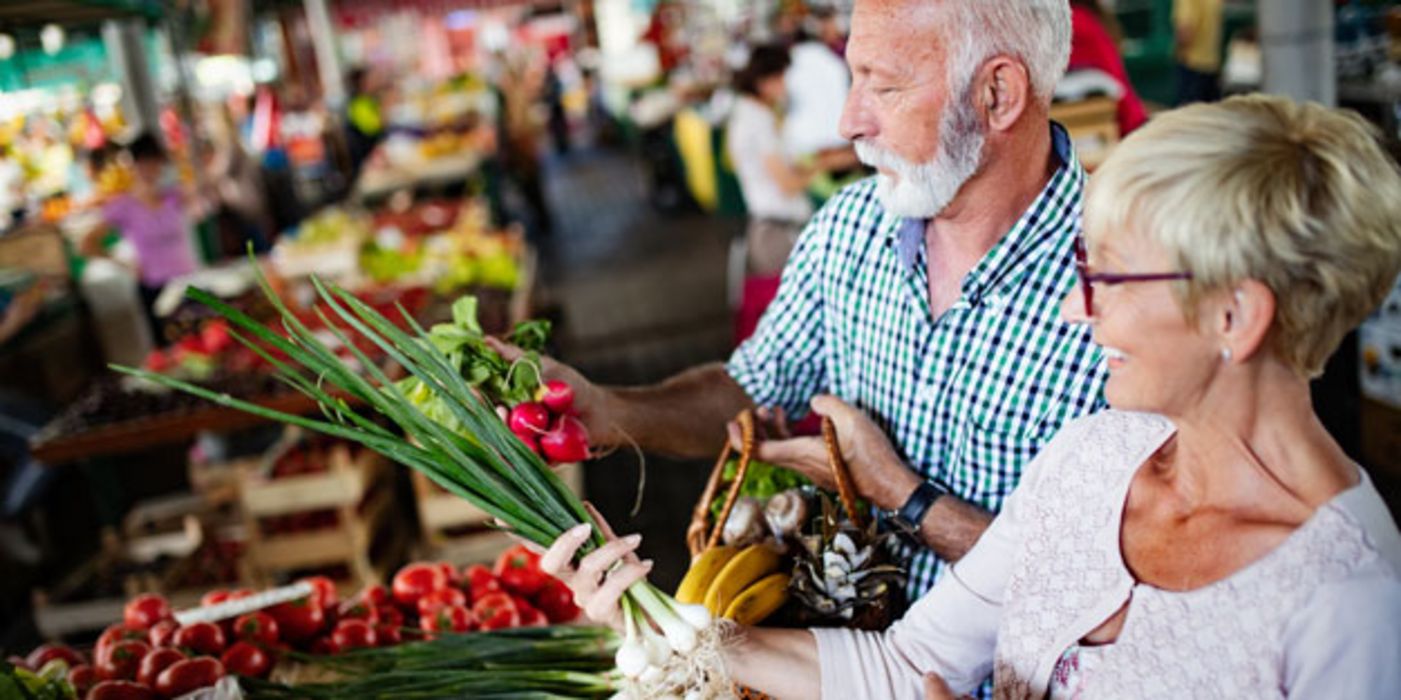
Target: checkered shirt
(969,397)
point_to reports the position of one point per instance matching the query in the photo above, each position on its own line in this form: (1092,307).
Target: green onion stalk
(463,446)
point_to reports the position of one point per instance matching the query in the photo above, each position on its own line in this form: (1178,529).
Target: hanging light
(7,47)
(51,37)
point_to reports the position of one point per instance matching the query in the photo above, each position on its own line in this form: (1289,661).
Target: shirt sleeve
(782,364)
(1344,643)
(952,630)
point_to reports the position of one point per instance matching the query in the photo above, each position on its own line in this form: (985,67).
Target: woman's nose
(1073,308)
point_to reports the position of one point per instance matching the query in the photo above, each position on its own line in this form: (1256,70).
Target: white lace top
(1319,616)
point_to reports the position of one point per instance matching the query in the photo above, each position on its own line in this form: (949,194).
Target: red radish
(567,442)
(529,418)
(530,439)
(557,396)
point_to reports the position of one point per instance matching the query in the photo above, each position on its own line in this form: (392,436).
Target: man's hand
(880,476)
(591,401)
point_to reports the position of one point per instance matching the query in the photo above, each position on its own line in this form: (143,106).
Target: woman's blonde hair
(1299,197)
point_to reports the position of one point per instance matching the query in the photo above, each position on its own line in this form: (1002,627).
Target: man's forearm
(952,526)
(683,416)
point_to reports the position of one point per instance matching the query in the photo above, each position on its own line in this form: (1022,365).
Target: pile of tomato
(148,655)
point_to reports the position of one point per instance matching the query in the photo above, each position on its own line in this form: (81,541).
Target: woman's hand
(603,575)
(877,471)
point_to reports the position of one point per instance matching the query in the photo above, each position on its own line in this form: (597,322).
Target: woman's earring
(1225,355)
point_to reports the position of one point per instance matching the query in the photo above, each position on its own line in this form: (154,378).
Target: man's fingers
(556,560)
(506,350)
(828,405)
(805,455)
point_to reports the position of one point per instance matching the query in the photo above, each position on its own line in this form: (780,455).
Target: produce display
(464,446)
(148,654)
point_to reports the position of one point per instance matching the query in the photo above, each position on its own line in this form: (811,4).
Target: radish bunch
(548,424)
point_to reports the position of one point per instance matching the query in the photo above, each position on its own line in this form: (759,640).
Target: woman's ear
(1004,92)
(1244,319)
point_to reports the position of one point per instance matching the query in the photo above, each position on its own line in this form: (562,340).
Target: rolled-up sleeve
(783,364)
(952,629)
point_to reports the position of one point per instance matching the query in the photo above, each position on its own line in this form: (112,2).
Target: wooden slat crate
(1093,127)
(356,487)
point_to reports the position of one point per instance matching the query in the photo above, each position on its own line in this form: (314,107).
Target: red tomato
(214,597)
(203,638)
(145,610)
(519,571)
(241,593)
(299,620)
(530,617)
(354,634)
(325,647)
(437,599)
(496,611)
(122,660)
(245,659)
(162,633)
(417,580)
(557,602)
(324,590)
(390,617)
(45,653)
(190,674)
(449,571)
(388,636)
(449,618)
(257,627)
(82,677)
(356,609)
(121,690)
(376,595)
(155,662)
(113,634)
(480,581)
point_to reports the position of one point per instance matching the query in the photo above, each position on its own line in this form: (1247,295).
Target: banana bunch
(743,584)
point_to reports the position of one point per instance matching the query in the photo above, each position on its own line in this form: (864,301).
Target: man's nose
(856,122)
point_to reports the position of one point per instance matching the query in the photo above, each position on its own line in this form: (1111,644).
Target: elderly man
(926,297)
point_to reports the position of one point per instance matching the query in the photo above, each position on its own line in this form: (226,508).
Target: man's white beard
(922,191)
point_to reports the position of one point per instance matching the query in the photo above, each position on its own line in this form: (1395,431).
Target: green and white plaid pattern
(968,398)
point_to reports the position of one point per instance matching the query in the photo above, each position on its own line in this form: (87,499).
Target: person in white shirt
(775,189)
(1206,537)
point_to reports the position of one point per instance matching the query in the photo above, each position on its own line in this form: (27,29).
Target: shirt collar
(1030,228)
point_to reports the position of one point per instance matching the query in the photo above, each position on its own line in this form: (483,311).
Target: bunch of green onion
(468,450)
(547,662)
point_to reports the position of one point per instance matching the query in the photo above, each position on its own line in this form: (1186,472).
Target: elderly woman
(1206,537)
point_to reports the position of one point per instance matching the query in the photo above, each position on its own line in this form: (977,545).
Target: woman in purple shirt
(152,216)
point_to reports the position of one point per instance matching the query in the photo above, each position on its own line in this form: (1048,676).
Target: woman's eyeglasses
(1089,279)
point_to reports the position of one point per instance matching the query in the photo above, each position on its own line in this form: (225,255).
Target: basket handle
(698,540)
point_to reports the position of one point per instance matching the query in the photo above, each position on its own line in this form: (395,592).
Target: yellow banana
(751,564)
(760,600)
(702,572)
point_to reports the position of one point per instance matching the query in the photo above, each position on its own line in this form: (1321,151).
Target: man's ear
(1004,92)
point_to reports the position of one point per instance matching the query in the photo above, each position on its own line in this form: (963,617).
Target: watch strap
(910,515)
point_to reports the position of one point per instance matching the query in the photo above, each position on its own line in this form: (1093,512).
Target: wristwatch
(907,519)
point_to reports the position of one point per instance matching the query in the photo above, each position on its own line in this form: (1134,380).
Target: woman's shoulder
(1363,507)
(1095,450)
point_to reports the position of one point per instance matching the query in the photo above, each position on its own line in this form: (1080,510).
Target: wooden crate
(457,531)
(1093,126)
(356,486)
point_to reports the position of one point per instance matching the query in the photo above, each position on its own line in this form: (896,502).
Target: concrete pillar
(1296,41)
(328,59)
(123,40)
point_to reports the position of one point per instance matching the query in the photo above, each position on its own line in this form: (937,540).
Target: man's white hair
(1035,31)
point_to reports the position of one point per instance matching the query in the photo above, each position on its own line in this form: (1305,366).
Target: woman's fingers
(606,529)
(601,560)
(604,605)
(557,560)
